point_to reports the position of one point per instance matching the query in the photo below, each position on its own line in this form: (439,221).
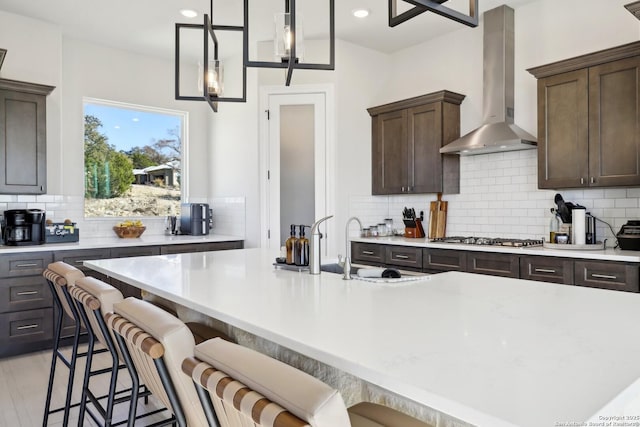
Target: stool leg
(87,376)
(72,371)
(57,328)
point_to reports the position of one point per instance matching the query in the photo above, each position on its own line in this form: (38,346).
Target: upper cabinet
(589,120)
(406,140)
(23,138)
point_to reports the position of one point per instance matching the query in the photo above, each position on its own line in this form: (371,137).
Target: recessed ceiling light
(188,13)
(360,13)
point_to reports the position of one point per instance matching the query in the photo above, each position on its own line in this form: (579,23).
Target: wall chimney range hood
(498,132)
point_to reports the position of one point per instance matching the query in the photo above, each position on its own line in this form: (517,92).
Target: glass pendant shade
(214,78)
(284,37)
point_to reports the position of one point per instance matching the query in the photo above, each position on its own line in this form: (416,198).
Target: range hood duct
(498,132)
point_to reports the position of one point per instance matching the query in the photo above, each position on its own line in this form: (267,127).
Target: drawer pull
(27,293)
(401,257)
(33,264)
(367,252)
(544,270)
(22,328)
(604,276)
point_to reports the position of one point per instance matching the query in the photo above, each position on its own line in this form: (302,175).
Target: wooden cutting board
(437,218)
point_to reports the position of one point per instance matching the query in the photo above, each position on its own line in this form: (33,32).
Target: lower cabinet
(613,275)
(617,276)
(547,269)
(26,303)
(493,264)
(26,311)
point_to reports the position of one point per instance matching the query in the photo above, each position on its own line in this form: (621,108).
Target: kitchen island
(486,350)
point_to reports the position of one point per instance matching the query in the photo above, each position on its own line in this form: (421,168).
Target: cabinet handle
(604,276)
(401,257)
(27,293)
(367,252)
(544,270)
(593,180)
(403,189)
(409,189)
(581,181)
(33,264)
(21,328)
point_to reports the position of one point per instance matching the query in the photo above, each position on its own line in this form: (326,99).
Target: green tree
(108,173)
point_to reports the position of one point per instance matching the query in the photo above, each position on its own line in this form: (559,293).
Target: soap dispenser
(302,248)
(291,246)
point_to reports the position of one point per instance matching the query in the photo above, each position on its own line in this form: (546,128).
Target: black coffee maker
(23,227)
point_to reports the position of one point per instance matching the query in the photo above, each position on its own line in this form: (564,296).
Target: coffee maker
(23,227)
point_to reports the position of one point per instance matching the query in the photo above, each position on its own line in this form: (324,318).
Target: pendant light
(435,6)
(289,41)
(210,74)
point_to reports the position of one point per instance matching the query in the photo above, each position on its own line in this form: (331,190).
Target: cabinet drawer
(494,264)
(135,251)
(200,247)
(444,260)
(404,256)
(366,252)
(607,275)
(24,293)
(25,331)
(24,264)
(76,258)
(545,269)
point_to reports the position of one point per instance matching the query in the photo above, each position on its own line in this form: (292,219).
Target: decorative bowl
(129,232)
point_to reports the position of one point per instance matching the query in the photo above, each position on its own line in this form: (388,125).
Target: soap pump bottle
(290,245)
(302,248)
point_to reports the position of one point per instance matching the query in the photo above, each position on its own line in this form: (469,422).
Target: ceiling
(147,26)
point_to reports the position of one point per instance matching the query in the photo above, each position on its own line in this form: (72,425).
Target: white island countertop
(488,350)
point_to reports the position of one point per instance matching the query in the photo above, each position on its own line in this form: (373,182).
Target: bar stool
(153,344)
(59,276)
(94,297)
(238,386)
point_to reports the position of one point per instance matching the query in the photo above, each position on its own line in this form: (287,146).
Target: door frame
(329,244)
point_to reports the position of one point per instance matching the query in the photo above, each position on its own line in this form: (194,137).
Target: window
(133,160)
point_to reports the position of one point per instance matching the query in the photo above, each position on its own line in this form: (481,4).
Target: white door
(294,151)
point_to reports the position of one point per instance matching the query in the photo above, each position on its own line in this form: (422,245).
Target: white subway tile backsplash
(499,197)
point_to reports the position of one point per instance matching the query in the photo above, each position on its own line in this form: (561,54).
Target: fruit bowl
(129,231)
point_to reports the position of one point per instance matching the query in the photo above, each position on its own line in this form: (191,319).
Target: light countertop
(605,255)
(116,242)
(488,350)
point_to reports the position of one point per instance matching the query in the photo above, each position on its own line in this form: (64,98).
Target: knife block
(414,232)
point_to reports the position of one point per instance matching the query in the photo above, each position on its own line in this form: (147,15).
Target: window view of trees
(132,173)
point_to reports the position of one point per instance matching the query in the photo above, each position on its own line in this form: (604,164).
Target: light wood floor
(23,389)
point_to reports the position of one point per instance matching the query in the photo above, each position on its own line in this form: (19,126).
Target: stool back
(97,297)
(157,343)
(61,275)
(247,388)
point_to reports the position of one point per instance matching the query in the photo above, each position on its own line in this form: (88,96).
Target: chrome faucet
(315,251)
(346,267)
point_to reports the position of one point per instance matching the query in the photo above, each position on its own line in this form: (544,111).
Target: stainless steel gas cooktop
(489,241)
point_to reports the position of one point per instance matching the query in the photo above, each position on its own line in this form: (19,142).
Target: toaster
(629,236)
(195,219)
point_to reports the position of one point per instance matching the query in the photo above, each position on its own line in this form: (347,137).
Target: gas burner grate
(490,241)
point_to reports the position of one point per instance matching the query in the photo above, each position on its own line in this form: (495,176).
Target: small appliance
(195,219)
(23,227)
(629,236)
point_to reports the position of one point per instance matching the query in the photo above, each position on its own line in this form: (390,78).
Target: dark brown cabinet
(406,140)
(589,120)
(405,257)
(23,139)
(25,303)
(200,247)
(547,269)
(439,260)
(368,253)
(607,275)
(493,264)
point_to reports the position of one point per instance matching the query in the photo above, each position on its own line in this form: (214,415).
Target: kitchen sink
(337,268)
